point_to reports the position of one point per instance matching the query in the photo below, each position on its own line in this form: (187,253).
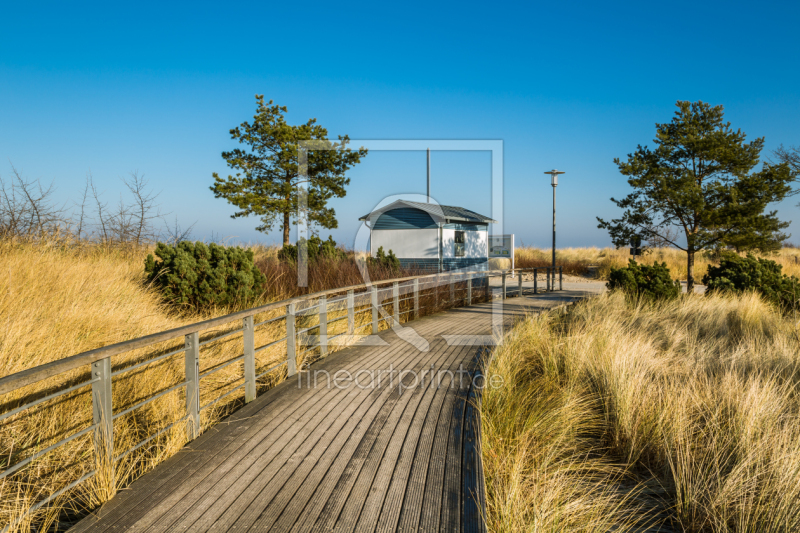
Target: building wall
(407,243)
(476,244)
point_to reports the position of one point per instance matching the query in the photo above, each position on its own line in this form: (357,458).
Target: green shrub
(651,281)
(201,275)
(317,248)
(385,260)
(738,274)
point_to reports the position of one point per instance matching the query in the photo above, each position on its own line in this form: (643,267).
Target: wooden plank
(410,511)
(319,469)
(396,463)
(174,493)
(283,394)
(406,489)
(244,488)
(364,454)
(451,498)
(430,514)
(229,486)
(327,485)
(405,516)
(367,478)
(473,496)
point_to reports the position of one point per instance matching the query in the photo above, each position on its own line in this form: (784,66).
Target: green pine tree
(268,177)
(700,179)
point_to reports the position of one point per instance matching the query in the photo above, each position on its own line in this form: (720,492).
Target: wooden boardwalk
(354,457)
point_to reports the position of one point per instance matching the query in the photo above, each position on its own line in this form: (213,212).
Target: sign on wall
(502,246)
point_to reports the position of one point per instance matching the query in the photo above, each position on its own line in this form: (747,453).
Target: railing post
(192,365)
(469,289)
(323,326)
(249,338)
(519,282)
(291,341)
(548,280)
(561,278)
(535,281)
(416,298)
(396,302)
(452,291)
(504,286)
(102,415)
(374,310)
(351,319)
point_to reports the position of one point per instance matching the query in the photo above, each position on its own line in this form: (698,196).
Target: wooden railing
(314,309)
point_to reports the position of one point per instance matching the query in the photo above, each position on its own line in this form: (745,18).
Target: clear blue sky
(115,87)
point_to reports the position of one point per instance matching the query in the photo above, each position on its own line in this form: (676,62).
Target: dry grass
(577,260)
(323,274)
(60,298)
(620,414)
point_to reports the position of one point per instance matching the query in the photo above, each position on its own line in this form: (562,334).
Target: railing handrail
(38,373)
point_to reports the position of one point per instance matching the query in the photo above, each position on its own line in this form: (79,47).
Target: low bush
(739,274)
(317,249)
(384,260)
(643,280)
(200,275)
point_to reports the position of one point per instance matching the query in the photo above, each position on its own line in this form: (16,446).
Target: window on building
(459,244)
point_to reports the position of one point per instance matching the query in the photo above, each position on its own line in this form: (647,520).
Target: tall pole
(554,228)
(554,182)
(429,175)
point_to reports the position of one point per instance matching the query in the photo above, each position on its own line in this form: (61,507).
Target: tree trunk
(690,272)
(286,228)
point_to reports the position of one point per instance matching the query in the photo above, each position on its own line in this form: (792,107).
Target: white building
(430,237)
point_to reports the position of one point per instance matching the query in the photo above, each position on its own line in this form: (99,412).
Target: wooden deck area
(358,457)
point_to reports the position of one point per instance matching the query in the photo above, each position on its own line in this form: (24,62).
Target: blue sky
(116,87)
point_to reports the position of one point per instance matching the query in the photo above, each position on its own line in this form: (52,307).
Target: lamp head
(554,176)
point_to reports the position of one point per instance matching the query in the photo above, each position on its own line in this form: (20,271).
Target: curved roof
(445,213)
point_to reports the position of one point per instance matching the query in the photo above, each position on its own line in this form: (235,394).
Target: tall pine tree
(700,180)
(268,181)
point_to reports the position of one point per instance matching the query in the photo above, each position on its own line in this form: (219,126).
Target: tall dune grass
(578,260)
(623,415)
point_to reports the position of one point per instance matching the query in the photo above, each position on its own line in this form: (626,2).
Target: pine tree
(268,179)
(700,179)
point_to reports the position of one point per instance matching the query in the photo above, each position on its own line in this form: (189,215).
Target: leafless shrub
(134,221)
(176,233)
(27,208)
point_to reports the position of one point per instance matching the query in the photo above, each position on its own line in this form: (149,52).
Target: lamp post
(554,182)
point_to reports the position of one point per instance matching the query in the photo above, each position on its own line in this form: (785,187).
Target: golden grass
(56,301)
(620,414)
(575,260)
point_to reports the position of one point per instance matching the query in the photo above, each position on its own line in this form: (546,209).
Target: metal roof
(447,212)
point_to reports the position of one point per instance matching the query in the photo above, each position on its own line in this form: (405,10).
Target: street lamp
(554,182)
